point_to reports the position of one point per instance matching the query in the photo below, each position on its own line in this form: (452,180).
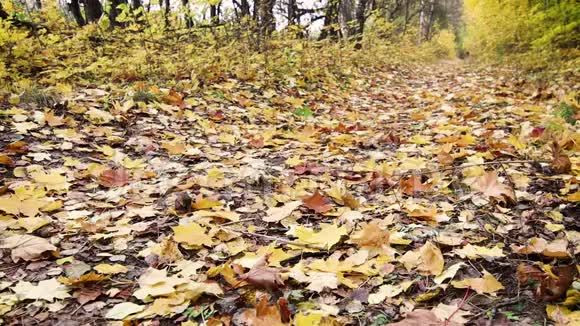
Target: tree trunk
(188,19)
(330,19)
(114,12)
(425,19)
(266,12)
(93,10)
(245,8)
(167,11)
(75,10)
(214,14)
(346,18)
(360,16)
(291,12)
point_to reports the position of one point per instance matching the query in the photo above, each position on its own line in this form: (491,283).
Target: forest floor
(435,195)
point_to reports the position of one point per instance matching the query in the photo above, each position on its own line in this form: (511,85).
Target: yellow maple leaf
(192,234)
(328,236)
(110,269)
(485,284)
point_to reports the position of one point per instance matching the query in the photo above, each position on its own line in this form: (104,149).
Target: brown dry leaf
(83,280)
(285,314)
(552,289)
(114,178)
(419,317)
(263,315)
(18,147)
(88,294)
(371,236)
(276,214)
(6,160)
(311,168)
(557,248)
(485,284)
(489,185)
(560,161)
(261,275)
(317,202)
(380,183)
(183,203)
(26,247)
(412,184)
(525,273)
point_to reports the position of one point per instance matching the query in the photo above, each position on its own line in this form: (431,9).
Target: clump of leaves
(41,97)
(144,96)
(303,112)
(567,112)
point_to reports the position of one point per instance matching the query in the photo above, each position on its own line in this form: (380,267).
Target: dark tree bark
(329,29)
(167,11)
(291,8)
(214,14)
(93,10)
(245,8)
(188,19)
(75,10)
(346,18)
(360,16)
(267,21)
(426,19)
(114,12)
(136,4)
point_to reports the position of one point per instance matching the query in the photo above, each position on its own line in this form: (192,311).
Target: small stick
(458,307)
(281,240)
(240,221)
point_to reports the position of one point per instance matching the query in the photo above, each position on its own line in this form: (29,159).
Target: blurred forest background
(59,42)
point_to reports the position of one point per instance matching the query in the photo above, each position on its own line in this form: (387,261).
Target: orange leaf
(19,147)
(412,185)
(6,160)
(490,186)
(114,178)
(317,202)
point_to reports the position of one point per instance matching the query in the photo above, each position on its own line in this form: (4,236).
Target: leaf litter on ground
(418,195)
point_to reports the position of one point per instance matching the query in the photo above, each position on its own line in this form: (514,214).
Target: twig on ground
(278,239)
(458,307)
(240,221)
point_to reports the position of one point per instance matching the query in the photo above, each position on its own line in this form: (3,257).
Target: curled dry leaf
(485,284)
(6,160)
(318,203)
(263,315)
(489,185)
(309,168)
(413,184)
(554,288)
(560,161)
(261,275)
(379,182)
(114,178)
(371,237)
(276,214)
(419,317)
(26,247)
(183,203)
